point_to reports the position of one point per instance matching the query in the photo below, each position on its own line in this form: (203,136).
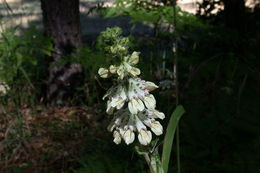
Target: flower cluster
(131,103)
(126,68)
(4,88)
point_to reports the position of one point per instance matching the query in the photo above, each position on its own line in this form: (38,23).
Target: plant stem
(175,68)
(148,161)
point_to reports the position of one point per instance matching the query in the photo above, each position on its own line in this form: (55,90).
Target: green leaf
(19,59)
(169,136)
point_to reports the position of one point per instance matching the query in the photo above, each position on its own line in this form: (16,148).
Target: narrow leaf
(169,136)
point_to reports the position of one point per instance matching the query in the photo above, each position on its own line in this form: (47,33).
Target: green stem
(148,161)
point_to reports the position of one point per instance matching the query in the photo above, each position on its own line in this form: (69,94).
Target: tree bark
(61,20)
(234,11)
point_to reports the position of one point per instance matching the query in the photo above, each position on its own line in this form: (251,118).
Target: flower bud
(135,71)
(158,114)
(117,137)
(112,69)
(103,72)
(121,49)
(121,72)
(134,58)
(151,86)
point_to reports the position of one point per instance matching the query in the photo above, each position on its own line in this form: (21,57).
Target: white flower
(110,92)
(140,105)
(155,114)
(103,72)
(132,106)
(121,72)
(150,102)
(110,109)
(117,137)
(127,66)
(155,126)
(134,58)
(131,94)
(112,69)
(144,137)
(150,86)
(135,105)
(4,88)
(128,136)
(134,71)
(119,99)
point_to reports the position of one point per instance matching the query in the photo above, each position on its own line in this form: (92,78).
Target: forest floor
(42,138)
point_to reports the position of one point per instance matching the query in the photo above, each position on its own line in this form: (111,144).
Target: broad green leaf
(169,136)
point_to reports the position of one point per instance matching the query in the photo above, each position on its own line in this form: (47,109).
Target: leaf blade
(169,136)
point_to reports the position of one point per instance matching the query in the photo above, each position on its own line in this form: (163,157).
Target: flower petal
(110,109)
(103,72)
(156,127)
(151,86)
(150,102)
(134,71)
(121,72)
(159,114)
(134,58)
(132,106)
(117,137)
(144,137)
(112,69)
(129,136)
(140,105)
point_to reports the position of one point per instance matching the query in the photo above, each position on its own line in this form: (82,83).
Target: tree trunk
(61,21)
(234,11)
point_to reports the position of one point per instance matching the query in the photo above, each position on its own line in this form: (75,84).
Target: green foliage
(22,62)
(161,16)
(100,163)
(21,54)
(102,156)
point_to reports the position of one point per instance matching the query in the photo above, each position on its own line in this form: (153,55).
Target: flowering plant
(129,100)
(132,106)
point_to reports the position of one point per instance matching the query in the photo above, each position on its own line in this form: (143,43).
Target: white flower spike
(129,100)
